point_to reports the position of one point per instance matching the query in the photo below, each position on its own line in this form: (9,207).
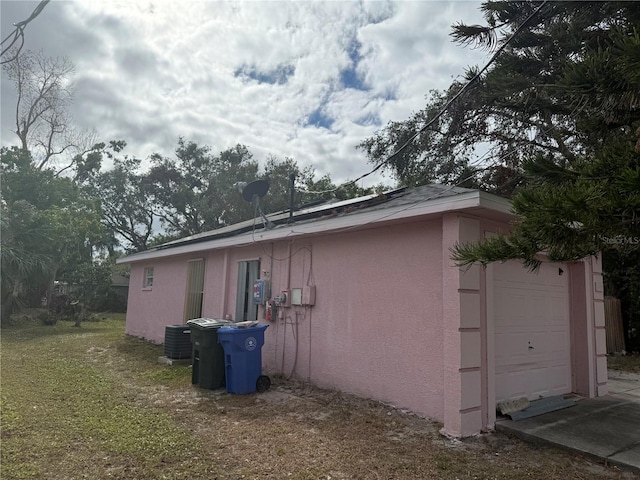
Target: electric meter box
(261,291)
(296,296)
(309,295)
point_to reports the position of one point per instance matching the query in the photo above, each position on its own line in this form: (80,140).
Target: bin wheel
(263,383)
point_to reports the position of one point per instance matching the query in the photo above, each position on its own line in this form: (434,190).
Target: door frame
(248,273)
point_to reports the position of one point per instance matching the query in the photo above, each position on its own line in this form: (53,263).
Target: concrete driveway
(605,428)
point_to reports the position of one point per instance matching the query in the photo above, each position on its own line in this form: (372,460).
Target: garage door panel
(539,378)
(535,307)
(509,348)
(516,382)
(532,382)
(556,307)
(556,377)
(538,356)
(546,276)
(558,342)
(531,325)
(549,344)
(508,312)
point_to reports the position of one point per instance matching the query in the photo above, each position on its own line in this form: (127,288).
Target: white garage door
(531,324)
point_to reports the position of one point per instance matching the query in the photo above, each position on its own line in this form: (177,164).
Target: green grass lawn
(66,413)
(92,403)
(628,363)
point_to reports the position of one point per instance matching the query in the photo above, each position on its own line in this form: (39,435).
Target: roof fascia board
(495,203)
(352,221)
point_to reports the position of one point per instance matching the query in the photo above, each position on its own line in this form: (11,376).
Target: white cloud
(222,73)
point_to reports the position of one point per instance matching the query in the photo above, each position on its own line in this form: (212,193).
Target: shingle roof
(352,213)
(392,198)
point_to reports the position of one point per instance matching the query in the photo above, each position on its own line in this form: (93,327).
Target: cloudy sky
(308,80)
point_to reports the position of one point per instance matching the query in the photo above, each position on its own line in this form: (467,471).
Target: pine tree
(560,111)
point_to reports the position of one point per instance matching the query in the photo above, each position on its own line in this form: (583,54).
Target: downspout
(225,282)
(289,267)
(271,263)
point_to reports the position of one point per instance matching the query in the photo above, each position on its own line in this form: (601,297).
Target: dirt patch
(100,406)
(295,430)
(625,363)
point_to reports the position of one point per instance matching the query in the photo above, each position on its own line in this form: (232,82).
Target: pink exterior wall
(221,276)
(462,352)
(150,310)
(376,327)
(595,317)
(394,319)
(578,312)
(589,355)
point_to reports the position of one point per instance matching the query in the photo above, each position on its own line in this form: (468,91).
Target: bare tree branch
(42,119)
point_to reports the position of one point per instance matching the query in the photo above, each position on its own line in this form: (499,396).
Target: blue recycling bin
(243,358)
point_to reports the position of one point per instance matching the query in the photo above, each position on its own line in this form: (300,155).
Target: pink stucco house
(375,307)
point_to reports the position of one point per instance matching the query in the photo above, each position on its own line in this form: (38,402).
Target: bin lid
(208,322)
(233,329)
(250,323)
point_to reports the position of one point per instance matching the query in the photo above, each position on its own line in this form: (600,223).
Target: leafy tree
(127,209)
(439,154)
(546,94)
(23,265)
(21,180)
(278,173)
(583,191)
(570,213)
(308,190)
(93,284)
(74,233)
(195,191)
(49,226)
(351,190)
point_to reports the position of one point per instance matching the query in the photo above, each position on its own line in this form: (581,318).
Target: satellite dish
(257,188)
(252,193)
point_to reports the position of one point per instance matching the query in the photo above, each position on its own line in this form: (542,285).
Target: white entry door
(532,331)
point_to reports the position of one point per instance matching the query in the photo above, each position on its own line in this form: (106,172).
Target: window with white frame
(148,278)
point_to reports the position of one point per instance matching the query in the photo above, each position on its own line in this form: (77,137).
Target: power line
(384,215)
(18,33)
(444,108)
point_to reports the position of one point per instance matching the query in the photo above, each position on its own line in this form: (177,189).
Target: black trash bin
(208,354)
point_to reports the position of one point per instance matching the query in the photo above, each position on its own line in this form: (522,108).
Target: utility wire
(18,33)
(440,113)
(384,215)
(444,108)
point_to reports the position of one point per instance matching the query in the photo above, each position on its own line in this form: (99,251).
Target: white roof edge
(496,203)
(354,220)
